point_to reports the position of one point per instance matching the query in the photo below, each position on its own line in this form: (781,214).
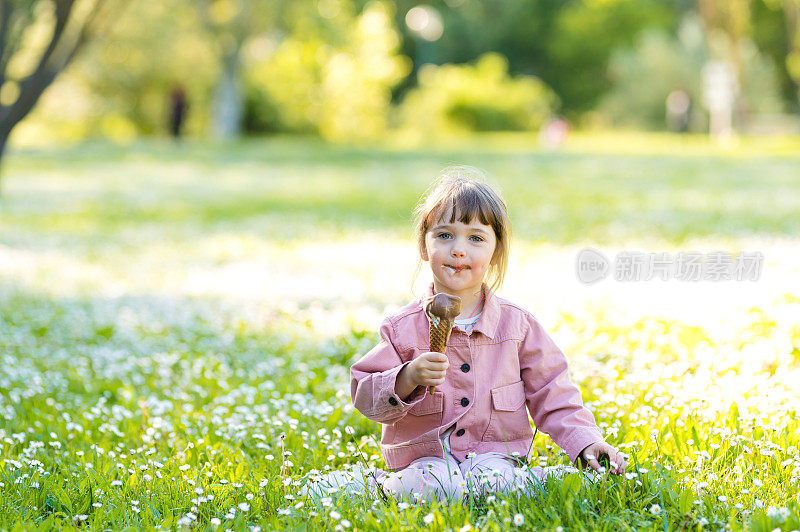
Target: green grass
(123,382)
(561,197)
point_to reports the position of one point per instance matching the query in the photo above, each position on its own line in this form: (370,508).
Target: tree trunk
(53,59)
(228,101)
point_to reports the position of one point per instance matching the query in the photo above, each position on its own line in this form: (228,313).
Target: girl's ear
(423,252)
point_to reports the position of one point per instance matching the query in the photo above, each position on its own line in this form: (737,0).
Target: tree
(773,24)
(730,21)
(23,44)
(231,23)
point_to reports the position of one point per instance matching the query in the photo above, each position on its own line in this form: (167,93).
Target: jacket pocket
(509,418)
(432,404)
(509,398)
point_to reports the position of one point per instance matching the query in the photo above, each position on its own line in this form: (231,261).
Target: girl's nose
(457,250)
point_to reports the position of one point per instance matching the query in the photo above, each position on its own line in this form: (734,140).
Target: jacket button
(465,367)
(460,432)
(464,401)
(393,401)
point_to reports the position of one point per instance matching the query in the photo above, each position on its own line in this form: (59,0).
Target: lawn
(177,324)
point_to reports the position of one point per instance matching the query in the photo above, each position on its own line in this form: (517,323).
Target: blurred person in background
(177,108)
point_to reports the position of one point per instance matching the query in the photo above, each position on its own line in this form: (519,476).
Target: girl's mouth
(452,270)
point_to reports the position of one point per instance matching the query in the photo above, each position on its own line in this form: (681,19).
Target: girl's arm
(553,400)
(374,379)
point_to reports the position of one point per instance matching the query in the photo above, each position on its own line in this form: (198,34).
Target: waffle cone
(441,310)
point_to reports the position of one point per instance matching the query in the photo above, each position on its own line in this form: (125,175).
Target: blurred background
(209,148)
(355,71)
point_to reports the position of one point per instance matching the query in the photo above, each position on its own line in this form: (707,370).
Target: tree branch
(63,10)
(32,87)
(85,33)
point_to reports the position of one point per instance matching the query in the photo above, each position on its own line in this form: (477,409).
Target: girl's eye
(477,238)
(443,235)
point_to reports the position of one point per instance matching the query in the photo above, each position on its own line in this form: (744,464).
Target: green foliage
(771,34)
(285,87)
(342,69)
(586,34)
(479,97)
(341,90)
(642,78)
(565,43)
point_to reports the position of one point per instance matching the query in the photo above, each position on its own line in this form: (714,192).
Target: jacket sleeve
(372,381)
(553,400)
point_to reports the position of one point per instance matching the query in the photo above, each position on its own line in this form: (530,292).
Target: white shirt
(468,323)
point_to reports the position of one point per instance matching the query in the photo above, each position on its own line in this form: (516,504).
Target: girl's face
(460,255)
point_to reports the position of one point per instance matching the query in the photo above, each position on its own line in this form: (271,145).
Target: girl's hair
(462,193)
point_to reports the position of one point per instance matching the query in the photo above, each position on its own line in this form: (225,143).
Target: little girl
(499,365)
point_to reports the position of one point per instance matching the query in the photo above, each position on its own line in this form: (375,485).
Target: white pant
(441,478)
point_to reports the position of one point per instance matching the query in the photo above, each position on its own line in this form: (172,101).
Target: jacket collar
(490,317)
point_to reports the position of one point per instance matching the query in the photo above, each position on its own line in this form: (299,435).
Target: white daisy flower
(655,509)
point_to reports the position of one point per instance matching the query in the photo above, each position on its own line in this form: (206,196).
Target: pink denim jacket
(505,363)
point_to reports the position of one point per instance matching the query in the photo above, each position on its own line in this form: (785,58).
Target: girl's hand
(595,451)
(428,369)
